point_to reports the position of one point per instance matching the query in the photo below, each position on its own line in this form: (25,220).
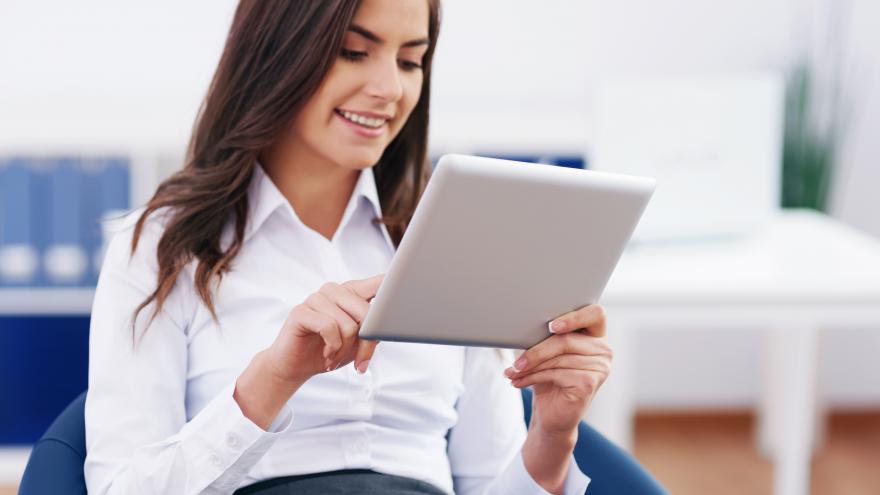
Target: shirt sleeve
(485,444)
(138,438)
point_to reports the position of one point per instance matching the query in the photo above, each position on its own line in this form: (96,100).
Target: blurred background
(746,311)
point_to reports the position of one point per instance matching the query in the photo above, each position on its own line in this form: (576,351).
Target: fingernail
(555,326)
(362,368)
(509,372)
(520,364)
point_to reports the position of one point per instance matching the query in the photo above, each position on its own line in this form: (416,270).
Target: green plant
(809,149)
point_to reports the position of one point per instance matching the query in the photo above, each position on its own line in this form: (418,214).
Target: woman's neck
(317,190)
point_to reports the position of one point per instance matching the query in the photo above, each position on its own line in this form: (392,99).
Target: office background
(104,94)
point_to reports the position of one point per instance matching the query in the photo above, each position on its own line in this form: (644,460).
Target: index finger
(365,350)
(367,287)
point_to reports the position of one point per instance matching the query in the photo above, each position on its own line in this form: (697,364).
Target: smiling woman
(224,353)
(373,94)
(314,61)
(362,104)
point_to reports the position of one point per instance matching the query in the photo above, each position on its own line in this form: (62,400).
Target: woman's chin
(359,160)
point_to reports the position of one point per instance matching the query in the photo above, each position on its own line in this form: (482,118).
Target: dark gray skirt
(342,483)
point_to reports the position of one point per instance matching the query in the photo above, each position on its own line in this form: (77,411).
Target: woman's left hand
(565,370)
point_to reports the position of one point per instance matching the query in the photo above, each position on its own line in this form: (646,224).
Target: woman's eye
(409,65)
(356,56)
(352,55)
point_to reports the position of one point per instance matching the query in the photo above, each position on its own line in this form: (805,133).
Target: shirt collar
(264,199)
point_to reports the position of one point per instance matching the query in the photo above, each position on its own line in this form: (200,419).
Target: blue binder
(65,259)
(18,254)
(115,185)
(108,186)
(41,169)
(570,161)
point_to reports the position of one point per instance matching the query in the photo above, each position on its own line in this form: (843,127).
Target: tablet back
(496,249)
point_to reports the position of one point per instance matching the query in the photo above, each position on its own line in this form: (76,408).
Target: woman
(243,282)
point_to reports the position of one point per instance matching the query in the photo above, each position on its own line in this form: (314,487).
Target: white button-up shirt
(160,417)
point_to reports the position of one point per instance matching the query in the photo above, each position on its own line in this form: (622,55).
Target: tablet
(496,249)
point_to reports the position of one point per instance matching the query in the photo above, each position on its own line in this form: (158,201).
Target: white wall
(99,73)
(856,198)
(523,73)
(511,74)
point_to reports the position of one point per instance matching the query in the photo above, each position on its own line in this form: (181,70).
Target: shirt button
(231,440)
(360,446)
(367,394)
(216,460)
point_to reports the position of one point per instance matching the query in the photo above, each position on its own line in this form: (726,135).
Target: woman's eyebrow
(376,39)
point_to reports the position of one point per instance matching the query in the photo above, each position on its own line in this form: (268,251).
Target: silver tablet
(497,249)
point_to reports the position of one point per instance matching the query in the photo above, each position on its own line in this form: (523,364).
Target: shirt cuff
(226,441)
(516,479)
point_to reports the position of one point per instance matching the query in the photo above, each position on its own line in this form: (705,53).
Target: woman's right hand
(321,333)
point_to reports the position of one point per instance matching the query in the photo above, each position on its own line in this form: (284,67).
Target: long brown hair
(276,56)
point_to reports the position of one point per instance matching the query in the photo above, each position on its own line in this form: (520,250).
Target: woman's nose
(385,81)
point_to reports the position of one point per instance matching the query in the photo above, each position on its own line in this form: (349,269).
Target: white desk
(801,273)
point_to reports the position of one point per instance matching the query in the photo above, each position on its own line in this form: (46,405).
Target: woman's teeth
(360,119)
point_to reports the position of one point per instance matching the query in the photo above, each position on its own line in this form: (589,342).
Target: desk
(800,273)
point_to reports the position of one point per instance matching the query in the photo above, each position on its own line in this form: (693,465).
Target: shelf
(46,301)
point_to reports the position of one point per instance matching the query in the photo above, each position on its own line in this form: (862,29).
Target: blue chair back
(56,462)
(611,470)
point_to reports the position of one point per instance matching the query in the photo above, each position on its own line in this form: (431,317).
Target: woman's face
(372,87)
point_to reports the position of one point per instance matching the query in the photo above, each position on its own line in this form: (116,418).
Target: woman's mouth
(365,125)
(363,120)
